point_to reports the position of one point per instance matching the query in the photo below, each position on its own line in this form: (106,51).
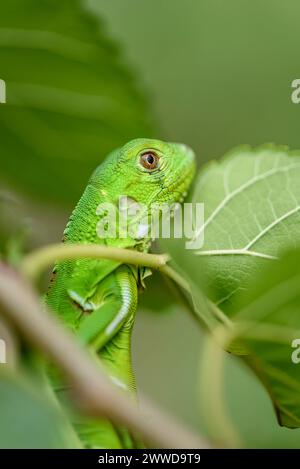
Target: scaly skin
(97,299)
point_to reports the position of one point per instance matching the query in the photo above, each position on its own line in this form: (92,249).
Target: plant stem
(34,263)
(212,402)
(175,276)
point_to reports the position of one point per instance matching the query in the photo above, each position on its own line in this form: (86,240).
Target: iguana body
(97,299)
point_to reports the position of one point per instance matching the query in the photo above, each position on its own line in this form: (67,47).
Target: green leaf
(252,204)
(28,420)
(252,214)
(271,307)
(70,100)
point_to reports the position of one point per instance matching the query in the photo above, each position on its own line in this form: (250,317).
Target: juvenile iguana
(96,298)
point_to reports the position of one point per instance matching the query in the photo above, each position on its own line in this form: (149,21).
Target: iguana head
(148,171)
(139,177)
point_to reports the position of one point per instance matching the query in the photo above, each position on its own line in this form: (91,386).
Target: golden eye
(149,160)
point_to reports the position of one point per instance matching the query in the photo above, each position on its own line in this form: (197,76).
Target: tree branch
(101,398)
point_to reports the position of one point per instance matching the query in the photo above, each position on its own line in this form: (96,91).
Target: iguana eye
(149,160)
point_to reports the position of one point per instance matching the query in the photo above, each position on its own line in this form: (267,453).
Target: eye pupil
(149,160)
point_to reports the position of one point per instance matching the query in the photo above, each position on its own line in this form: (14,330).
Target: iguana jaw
(182,172)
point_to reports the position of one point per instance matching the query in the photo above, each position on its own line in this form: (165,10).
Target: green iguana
(96,298)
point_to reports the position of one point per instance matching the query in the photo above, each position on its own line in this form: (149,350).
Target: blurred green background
(210,73)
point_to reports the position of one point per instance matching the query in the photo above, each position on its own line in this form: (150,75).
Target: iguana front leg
(107,328)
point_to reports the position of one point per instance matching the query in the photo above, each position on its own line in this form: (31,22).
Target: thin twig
(101,398)
(34,263)
(175,276)
(214,410)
